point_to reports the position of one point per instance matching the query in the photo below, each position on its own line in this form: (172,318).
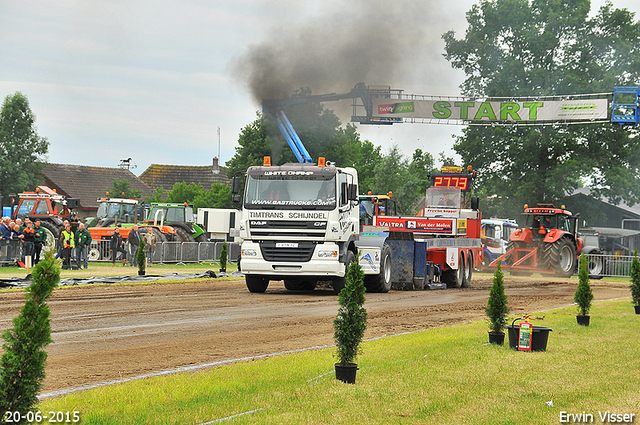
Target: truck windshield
(313,191)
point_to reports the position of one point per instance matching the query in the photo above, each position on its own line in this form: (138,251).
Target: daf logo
(258,223)
(318,224)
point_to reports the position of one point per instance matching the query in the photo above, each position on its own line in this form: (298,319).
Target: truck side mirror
(235,185)
(475,203)
(353,192)
(236,199)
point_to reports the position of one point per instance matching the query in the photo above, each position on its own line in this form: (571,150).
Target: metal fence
(609,265)
(174,252)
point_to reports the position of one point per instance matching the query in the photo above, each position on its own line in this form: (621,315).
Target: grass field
(441,376)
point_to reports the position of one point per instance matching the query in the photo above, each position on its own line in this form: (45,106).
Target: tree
(123,189)
(21,149)
(22,367)
(583,295)
(552,47)
(497,308)
(219,196)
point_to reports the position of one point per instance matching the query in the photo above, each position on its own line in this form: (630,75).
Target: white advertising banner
(488,111)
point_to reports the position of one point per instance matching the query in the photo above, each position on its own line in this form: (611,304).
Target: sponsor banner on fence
(489,111)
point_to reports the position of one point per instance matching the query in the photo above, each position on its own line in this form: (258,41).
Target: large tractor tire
(455,278)
(256,283)
(466,282)
(53,233)
(183,235)
(382,281)
(300,285)
(339,283)
(560,257)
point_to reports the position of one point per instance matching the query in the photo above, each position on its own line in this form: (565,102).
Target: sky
(174,82)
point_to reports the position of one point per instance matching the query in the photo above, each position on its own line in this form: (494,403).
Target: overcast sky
(155,80)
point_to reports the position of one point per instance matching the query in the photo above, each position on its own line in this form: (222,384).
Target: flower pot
(346,372)
(141,272)
(539,337)
(496,338)
(637,307)
(583,320)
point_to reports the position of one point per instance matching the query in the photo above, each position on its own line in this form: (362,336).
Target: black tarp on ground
(17,282)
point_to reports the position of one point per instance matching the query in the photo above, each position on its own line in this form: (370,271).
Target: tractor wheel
(339,283)
(202,238)
(486,259)
(382,281)
(595,265)
(183,235)
(256,283)
(454,278)
(300,285)
(466,282)
(53,233)
(94,254)
(560,257)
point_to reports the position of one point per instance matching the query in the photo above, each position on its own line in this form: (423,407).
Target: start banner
(490,111)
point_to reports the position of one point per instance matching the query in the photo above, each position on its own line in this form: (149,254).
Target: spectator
(29,238)
(117,246)
(64,226)
(40,241)
(134,243)
(83,240)
(67,242)
(6,234)
(150,242)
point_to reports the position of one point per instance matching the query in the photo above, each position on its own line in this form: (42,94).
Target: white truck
(495,237)
(299,223)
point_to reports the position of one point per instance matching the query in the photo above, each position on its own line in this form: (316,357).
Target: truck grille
(278,251)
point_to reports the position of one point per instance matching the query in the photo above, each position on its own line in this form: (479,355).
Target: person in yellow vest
(67,242)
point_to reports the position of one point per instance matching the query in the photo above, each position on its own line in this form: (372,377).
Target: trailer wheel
(339,283)
(53,233)
(300,285)
(468,271)
(560,257)
(256,283)
(93,254)
(454,278)
(382,281)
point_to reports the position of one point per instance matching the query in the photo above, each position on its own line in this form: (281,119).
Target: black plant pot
(583,320)
(637,307)
(346,372)
(141,272)
(496,338)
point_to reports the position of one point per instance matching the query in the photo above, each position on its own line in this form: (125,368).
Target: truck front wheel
(256,283)
(381,282)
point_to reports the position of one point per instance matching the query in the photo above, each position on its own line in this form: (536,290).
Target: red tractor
(548,243)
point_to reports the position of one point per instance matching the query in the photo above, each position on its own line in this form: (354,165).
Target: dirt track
(103,333)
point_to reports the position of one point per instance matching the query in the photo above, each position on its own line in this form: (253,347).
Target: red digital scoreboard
(463,181)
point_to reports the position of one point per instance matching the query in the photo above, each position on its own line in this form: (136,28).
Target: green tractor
(178,216)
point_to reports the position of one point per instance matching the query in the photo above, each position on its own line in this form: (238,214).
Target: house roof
(167,175)
(89,183)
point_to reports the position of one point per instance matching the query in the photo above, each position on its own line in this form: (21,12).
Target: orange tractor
(548,243)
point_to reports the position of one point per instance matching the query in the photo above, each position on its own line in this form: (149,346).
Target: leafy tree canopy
(219,196)
(21,149)
(548,47)
(123,189)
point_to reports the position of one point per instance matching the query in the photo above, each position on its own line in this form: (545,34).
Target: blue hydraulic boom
(301,153)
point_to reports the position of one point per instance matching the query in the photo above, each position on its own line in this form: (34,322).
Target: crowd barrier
(165,252)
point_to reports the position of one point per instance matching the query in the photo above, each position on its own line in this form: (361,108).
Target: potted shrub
(497,309)
(583,295)
(141,258)
(635,282)
(223,257)
(350,324)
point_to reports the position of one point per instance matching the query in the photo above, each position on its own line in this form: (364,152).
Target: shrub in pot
(141,258)
(583,295)
(635,282)
(350,324)
(497,309)
(223,257)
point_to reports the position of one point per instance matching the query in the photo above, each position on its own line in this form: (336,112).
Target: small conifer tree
(22,366)
(141,257)
(497,309)
(351,320)
(583,295)
(224,256)
(635,280)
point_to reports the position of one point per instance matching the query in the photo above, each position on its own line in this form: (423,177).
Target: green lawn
(441,376)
